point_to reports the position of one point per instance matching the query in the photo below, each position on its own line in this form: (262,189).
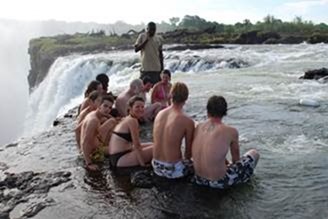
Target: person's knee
(254,154)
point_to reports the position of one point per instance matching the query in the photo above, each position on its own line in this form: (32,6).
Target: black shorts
(155,76)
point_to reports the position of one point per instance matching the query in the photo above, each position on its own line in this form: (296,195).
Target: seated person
(161,90)
(104,80)
(95,98)
(95,131)
(125,149)
(121,103)
(212,141)
(151,109)
(171,126)
(92,86)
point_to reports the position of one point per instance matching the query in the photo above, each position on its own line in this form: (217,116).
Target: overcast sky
(137,11)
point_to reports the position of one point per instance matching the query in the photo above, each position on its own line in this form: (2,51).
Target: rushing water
(291,179)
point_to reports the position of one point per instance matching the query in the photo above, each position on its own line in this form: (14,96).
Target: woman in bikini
(161,90)
(125,149)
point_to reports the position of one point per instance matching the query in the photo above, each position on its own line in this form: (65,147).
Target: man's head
(147,83)
(106,105)
(103,79)
(179,92)
(136,86)
(216,106)
(151,28)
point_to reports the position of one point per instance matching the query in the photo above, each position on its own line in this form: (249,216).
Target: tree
(174,21)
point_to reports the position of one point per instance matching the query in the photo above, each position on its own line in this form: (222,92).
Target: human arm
(153,98)
(134,130)
(234,146)
(189,137)
(88,142)
(141,42)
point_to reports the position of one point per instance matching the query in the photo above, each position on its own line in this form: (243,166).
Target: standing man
(150,46)
(171,126)
(212,141)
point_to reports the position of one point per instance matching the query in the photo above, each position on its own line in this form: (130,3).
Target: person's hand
(92,167)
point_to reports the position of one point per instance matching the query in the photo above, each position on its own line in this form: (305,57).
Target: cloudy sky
(137,11)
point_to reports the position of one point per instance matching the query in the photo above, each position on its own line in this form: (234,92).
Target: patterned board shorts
(239,172)
(173,170)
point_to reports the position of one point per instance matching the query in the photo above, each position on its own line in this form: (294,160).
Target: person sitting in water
(171,126)
(104,80)
(95,131)
(152,109)
(92,86)
(121,101)
(95,98)
(212,141)
(125,149)
(161,90)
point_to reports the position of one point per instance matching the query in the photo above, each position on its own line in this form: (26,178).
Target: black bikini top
(125,136)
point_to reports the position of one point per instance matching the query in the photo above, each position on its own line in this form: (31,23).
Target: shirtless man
(151,109)
(212,141)
(121,102)
(94,132)
(171,126)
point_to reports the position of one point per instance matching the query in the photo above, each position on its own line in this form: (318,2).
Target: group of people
(179,148)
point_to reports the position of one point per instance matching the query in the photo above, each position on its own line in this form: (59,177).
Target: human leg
(130,159)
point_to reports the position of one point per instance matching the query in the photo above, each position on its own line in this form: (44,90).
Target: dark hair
(94,95)
(151,25)
(103,79)
(166,72)
(108,98)
(146,79)
(91,87)
(132,101)
(179,92)
(216,106)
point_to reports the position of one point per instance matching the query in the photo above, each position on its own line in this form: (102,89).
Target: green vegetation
(189,30)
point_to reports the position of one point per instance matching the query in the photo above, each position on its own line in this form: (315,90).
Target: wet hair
(179,92)
(166,72)
(108,98)
(216,106)
(94,95)
(146,79)
(93,85)
(103,79)
(133,100)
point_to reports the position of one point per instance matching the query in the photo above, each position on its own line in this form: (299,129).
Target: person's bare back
(212,142)
(170,127)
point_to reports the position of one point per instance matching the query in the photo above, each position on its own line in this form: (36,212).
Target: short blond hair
(179,92)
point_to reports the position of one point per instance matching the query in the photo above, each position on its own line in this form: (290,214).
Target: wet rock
(3,166)
(315,74)
(194,47)
(12,145)
(55,123)
(142,179)
(18,187)
(35,207)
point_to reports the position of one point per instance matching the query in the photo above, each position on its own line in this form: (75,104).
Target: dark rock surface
(315,74)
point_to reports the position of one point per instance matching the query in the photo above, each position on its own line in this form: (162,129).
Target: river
(263,94)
